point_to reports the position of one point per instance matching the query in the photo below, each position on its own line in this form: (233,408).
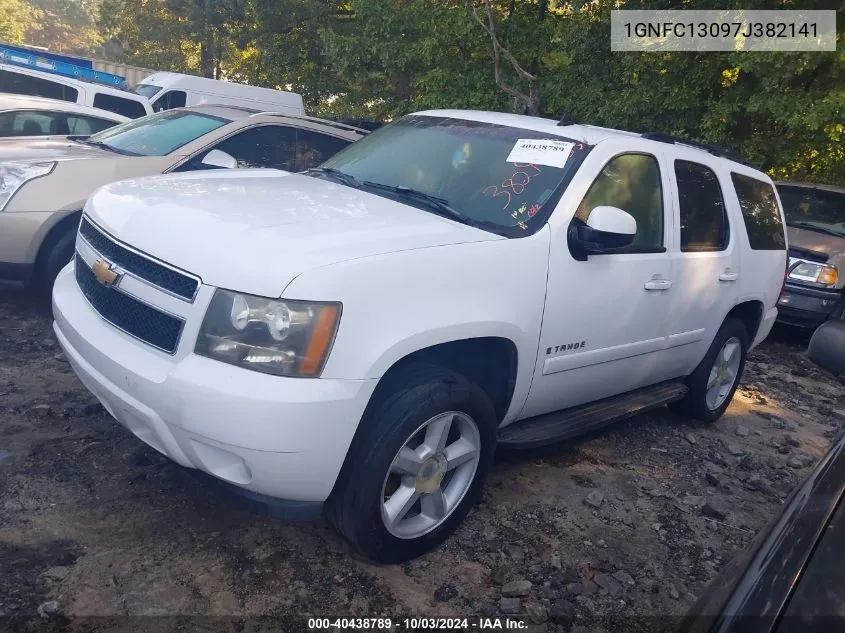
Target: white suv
(359,338)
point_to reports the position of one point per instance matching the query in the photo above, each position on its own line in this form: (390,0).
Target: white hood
(256,230)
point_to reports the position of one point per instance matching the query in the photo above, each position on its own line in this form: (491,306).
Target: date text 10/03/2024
(417,624)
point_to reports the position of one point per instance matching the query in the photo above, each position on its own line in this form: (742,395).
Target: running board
(563,425)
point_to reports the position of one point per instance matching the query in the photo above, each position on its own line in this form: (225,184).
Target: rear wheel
(419,466)
(713,383)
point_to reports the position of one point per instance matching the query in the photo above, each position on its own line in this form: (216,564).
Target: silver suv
(45,183)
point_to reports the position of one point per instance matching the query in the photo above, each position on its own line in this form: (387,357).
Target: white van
(174,90)
(36,83)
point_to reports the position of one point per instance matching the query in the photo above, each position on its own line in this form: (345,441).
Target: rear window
(21,84)
(760,211)
(126,107)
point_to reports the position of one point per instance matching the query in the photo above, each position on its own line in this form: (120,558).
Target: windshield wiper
(438,205)
(813,227)
(106,146)
(335,174)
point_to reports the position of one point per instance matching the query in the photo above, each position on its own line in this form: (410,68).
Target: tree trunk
(207,55)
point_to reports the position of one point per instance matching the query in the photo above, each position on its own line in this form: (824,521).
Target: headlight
(285,338)
(12,176)
(823,274)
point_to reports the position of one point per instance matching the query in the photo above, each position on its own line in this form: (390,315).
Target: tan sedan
(44,183)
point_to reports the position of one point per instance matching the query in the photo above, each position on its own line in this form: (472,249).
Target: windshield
(498,176)
(146,90)
(813,209)
(158,134)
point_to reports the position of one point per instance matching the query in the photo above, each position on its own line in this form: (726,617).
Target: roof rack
(57,67)
(335,124)
(716,150)
(565,120)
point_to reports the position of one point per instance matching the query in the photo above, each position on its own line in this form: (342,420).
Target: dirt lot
(628,523)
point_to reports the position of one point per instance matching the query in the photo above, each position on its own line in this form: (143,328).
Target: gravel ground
(628,523)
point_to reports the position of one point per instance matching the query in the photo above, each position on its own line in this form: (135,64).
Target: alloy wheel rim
(430,475)
(723,374)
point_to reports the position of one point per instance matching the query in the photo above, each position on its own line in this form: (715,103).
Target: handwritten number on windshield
(516,183)
(496,193)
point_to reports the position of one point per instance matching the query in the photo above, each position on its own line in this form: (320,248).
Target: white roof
(589,134)
(16,102)
(70,81)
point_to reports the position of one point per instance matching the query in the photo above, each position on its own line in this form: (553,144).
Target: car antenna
(566,120)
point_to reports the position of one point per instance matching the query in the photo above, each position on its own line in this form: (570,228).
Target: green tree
(16,17)
(67,26)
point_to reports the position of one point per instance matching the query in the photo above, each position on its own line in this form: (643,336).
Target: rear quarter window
(126,107)
(760,212)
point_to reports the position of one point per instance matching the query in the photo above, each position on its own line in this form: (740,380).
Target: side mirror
(607,229)
(219,158)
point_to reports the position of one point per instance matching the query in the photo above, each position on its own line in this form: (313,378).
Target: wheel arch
(67,221)
(750,314)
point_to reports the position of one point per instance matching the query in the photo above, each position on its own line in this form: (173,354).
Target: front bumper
(807,307)
(284,438)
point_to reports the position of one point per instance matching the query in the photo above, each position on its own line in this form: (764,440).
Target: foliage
(383,58)
(16,16)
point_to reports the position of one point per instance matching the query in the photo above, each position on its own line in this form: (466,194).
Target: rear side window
(704,223)
(21,84)
(312,148)
(126,107)
(28,123)
(87,125)
(760,213)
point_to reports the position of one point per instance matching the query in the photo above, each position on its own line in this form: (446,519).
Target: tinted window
(630,182)
(264,146)
(813,209)
(28,123)
(819,602)
(312,148)
(704,223)
(170,99)
(126,107)
(78,124)
(760,213)
(18,83)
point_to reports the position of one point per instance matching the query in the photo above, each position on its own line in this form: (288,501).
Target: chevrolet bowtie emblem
(103,272)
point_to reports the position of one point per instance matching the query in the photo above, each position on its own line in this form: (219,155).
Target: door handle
(658,284)
(728,275)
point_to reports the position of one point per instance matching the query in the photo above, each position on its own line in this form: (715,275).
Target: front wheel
(419,466)
(713,383)
(55,256)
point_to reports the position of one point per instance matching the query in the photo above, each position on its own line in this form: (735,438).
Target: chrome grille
(172,281)
(134,317)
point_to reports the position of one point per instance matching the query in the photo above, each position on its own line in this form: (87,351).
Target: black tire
(694,404)
(827,347)
(405,401)
(54,256)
